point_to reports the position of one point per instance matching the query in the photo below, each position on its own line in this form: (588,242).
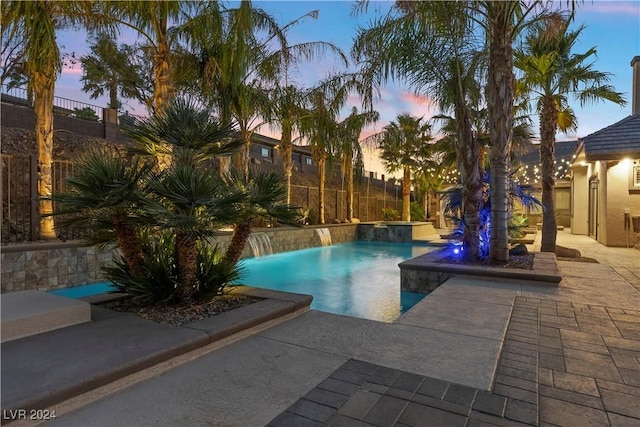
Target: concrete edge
(219,327)
(545,269)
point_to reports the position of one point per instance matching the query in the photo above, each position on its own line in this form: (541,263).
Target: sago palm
(104,196)
(189,200)
(552,73)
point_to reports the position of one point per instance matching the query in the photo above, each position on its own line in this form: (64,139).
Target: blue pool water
(359,279)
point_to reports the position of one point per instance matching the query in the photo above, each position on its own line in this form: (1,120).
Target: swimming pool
(359,279)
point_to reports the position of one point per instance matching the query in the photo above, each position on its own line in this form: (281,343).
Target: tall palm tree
(285,110)
(265,195)
(39,21)
(349,151)
(109,69)
(420,44)
(551,72)
(403,144)
(152,20)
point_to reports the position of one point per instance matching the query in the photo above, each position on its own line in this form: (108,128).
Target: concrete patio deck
(475,352)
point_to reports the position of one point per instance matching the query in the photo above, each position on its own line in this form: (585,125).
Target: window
(308,160)
(265,152)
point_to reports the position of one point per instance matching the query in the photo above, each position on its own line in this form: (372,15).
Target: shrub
(390,215)
(214,272)
(417,212)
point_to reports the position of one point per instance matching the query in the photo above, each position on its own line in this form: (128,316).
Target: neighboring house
(605,179)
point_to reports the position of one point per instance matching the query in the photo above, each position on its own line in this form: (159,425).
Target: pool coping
(426,272)
(274,305)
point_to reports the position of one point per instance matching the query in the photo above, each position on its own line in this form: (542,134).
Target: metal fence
(67,107)
(19,214)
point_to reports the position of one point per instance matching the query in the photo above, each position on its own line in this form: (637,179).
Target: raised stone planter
(425,273)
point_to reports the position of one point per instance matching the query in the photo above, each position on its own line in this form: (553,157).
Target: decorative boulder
(567,252)
(519,249)
(355,221)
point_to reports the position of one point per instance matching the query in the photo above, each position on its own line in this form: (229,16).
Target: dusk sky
(613,27)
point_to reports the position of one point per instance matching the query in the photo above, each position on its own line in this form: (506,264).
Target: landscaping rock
(567,252)
(519,249)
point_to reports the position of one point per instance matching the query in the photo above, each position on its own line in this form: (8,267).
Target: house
(605,179)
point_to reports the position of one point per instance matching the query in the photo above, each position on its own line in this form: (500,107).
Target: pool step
(30,312)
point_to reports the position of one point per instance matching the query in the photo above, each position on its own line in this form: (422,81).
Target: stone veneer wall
(48,266)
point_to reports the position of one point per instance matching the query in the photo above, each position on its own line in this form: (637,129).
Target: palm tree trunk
(406,194)
(163,86)
(43,106)
(129,244)
(500,92)
(286,148)
(468,159)
(113,96)
(186,260)
(349,173)
(321,178)
(548,120)
(242,158)
(241,233)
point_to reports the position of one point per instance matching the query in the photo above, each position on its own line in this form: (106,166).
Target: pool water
(359,279)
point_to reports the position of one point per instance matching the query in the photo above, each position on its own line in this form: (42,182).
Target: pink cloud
(413,98)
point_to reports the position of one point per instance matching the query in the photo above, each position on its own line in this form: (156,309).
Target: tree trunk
(186,261)
(468,160)
(241,233)
(129,244)
(163,86)
(242,158)
(406,194)
(500,92)
(43,107)
(349,177)
(321,179)
(286,148)
(113,97)
(548,124)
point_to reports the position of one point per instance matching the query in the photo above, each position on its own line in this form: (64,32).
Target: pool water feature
(260,244)
(358,279)
(325,236)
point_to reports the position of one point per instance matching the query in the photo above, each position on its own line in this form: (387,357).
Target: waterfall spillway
(260,244)
(325,236)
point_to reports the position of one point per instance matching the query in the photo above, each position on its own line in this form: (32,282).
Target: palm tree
(552,72)
(151,21)
(285,110)
(109,69)
(349,151)
(39,21)
(264,200)
(403,144)
(189,200)
(104,197)
(437,57)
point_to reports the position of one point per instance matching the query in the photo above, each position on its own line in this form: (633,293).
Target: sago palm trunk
(241,233)
(500,92)
(43,105)
(186,261)
(129,244)
(406,194)
(321,178)
(548,120)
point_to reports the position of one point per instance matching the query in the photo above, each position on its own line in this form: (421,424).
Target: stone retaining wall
(48,266)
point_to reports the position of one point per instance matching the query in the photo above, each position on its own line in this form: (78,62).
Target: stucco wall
(619,198)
